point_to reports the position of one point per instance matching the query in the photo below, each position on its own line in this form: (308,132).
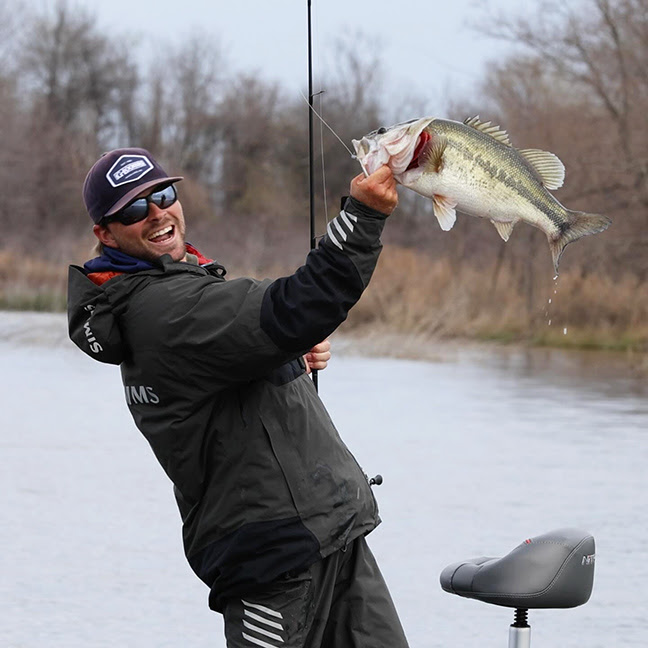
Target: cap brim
(136,191)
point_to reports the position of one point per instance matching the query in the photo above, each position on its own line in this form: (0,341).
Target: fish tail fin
(578,224)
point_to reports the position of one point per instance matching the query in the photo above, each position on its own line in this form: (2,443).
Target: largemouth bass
(472,167)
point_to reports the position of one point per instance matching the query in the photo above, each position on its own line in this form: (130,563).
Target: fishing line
(323,164)
(353,155)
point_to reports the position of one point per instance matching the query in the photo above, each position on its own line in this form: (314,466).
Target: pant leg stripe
(258,642)
(260,619)
(262,631)
(262,608)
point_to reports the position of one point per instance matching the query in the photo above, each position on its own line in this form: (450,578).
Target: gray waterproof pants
(339,602)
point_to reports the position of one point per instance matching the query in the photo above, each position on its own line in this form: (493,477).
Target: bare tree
(77,75)
(598,50)
(13,16)
(186,107)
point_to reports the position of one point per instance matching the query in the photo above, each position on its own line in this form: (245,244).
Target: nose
(154,211)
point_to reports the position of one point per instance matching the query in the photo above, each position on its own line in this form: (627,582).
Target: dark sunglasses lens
(134,212)
(138,210)
(165,197)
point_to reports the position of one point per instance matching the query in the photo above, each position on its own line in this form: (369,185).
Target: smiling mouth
(162,235)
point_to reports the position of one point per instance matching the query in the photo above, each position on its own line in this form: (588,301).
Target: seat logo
(588,560)
(128,168)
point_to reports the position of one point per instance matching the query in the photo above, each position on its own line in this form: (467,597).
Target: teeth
(166,230)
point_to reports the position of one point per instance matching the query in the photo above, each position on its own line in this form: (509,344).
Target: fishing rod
(311,160)
(311,163)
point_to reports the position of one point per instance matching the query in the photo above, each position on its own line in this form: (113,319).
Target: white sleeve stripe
(260,619)
(256,641)
(266,633)
(351,216)
(345,219)
(338,227)
(329,231)
(263,608)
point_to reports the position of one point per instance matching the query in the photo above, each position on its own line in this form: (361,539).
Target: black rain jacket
(214,378)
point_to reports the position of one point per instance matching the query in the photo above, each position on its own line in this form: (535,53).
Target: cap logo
(128,168)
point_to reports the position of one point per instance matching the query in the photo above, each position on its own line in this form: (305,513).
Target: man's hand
(377,191)
(318,356)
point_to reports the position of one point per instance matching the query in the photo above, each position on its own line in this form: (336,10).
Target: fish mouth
(416,160)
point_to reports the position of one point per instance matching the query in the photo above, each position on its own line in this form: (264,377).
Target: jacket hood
(92,324)
(96,291)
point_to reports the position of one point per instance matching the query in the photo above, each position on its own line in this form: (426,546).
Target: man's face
(161,232)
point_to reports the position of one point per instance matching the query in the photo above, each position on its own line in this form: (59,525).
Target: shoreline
(36,328)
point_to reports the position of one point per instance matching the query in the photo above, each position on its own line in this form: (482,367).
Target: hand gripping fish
(472,167)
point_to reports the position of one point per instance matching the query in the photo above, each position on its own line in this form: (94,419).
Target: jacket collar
(114,262)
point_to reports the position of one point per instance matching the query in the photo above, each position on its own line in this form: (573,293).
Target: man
(274,506)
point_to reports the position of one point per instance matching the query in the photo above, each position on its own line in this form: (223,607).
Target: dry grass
(28,283)
(426,299)
(411,293)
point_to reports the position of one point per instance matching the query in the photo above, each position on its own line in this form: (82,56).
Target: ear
(105,236)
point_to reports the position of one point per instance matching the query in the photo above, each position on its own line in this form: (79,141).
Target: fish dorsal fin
(547,165)
(504,229)
(444,210)
(496,132)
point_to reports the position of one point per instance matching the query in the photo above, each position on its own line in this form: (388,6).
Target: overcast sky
(427,46)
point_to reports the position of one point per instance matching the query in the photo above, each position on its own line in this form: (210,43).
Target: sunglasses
(137,210)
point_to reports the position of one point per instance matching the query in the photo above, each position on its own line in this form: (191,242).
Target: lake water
(479,450)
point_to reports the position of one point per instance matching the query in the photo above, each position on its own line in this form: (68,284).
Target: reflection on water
(490,446)
(479,450)
(611,374)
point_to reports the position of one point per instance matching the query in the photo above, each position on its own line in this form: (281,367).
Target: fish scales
(472,167)
(503,166)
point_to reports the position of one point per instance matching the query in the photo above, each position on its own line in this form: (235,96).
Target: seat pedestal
(519,637)
(520,631)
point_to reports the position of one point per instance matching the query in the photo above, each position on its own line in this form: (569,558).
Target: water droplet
(549,322)
(550,301)
(565,331)
(556,278)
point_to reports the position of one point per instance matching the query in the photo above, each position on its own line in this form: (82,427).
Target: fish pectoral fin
(504,229)
(435,153)
(496,132)
(547,165)
(444,210)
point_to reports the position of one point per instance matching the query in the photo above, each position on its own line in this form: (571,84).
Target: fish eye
(381,131)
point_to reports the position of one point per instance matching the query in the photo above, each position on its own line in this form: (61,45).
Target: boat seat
(553,570)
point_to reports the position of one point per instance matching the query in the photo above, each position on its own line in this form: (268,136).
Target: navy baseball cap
(118,177)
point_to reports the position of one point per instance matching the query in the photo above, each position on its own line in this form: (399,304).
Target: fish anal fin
(547,165)
(444,210)
(504,229)
(496,132)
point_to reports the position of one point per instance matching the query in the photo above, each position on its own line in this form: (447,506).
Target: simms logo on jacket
(140,394)
(95,347)
(128,168)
